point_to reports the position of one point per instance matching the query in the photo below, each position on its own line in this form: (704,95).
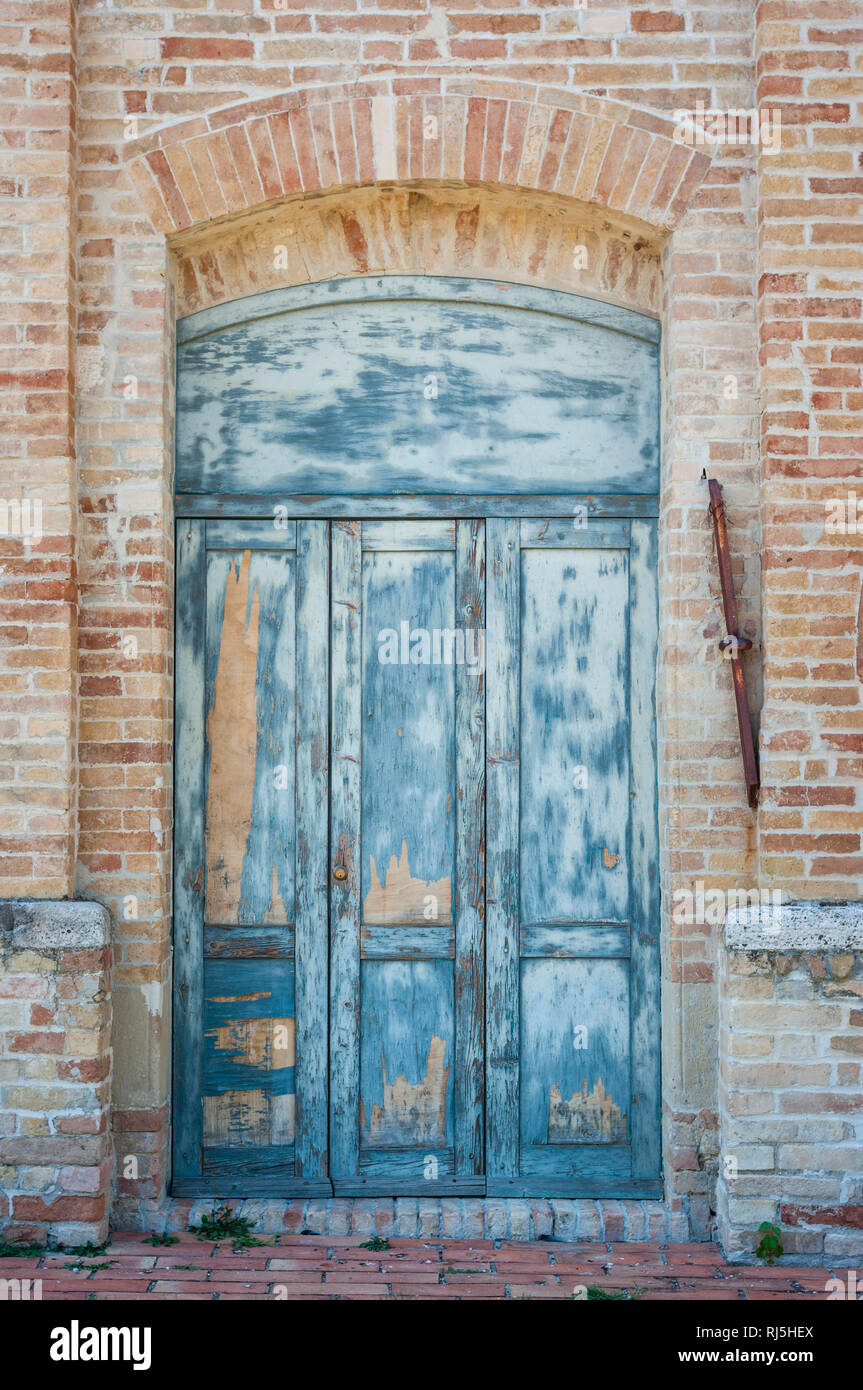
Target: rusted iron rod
(733,643)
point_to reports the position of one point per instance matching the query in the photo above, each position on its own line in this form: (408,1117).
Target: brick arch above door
(615,156)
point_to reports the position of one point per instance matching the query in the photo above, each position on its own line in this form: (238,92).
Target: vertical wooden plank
(346,717)
(502,891)
(644,854)
(189,867)
(312,719)
(470,847)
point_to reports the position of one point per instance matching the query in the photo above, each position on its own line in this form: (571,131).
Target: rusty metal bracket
(733,642)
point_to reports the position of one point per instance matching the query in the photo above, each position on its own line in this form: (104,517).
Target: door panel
(250,694)
(407,1030)
(572,961)
(406,831)
(408,738)
(249,1054)
(556,1107)
(250,921)
(574,735)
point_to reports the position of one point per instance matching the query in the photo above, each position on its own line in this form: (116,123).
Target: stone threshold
(473,1218)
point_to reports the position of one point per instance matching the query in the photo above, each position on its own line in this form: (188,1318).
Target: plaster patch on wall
(90,366)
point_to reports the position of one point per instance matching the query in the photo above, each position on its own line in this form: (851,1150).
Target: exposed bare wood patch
(249,1118)
(411,1114)
(406,900)
(237,1117)
(257,1042)
(232,734)
(587,1115)
(277,913)
(282,1118)
(237,998)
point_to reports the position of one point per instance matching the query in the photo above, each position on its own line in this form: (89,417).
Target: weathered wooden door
(417,864)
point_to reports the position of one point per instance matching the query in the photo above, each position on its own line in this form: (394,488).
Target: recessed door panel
(407,1031)
(249,1056)
(408,736)
(575,1077)
(574,734)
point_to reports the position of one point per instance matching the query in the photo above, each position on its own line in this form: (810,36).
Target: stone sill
(819,928)
(41,925)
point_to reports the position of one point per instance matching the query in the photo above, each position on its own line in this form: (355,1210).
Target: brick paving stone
(713,1294)
(308,1268)
(538,1291)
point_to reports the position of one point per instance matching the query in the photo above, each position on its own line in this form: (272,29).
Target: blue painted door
(417,879)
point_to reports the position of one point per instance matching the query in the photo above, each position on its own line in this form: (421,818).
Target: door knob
(340,873)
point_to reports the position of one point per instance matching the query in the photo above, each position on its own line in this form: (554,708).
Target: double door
(416,887)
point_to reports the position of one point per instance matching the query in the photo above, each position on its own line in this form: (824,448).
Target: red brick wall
(38,592)
(811,351)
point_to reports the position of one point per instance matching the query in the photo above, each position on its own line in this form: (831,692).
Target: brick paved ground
(316,1267)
